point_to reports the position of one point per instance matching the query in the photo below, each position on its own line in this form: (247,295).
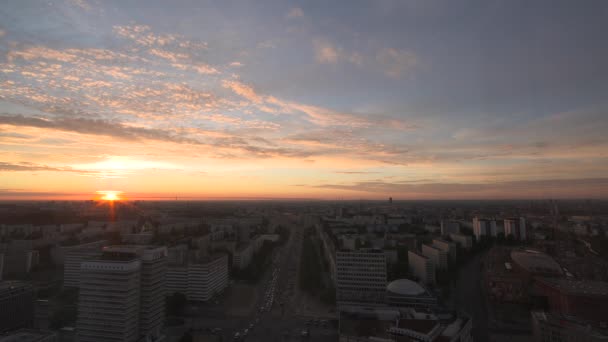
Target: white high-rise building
(438,256)
(484,227)
(109,300)
(464,241)
(74,256)
(516,228)
(361,276)
(446,246)
(422,267)
(199,279)
(122,295)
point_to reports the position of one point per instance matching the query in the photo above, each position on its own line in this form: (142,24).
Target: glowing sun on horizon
(108,195)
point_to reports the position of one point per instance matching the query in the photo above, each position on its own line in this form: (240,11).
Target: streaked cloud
(295,12)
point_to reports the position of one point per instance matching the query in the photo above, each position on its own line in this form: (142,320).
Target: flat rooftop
(578,287)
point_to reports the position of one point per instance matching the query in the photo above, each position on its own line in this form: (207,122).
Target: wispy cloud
(295,12)
(396,63)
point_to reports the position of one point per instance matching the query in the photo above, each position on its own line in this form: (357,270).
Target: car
(250,326)
(305,333)
(245,332)
(237,336)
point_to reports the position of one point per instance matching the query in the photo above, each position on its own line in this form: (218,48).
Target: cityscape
(275,171)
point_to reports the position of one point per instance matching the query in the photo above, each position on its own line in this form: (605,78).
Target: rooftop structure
(536,262)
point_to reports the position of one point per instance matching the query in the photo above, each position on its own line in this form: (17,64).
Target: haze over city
(303,99)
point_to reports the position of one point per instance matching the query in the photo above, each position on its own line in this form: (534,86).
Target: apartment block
(361,276)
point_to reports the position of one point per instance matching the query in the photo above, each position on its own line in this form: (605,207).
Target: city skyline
(410,100)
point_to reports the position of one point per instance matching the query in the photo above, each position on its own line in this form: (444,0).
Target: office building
(421,267)
(515,227)
(29,335)
(446,246)
(464,241)
(360,276)
(122,295)
(199,278)
(74,256)
(484,228)
(438,256)
(16,305)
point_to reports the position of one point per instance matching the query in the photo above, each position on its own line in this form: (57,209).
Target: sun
(110,195)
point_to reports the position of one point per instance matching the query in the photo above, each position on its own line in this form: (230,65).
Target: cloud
(355,172)
(94,127)
(325,52)
(236,64)
(396,62)
(563,188)
(81,3)
(295,12)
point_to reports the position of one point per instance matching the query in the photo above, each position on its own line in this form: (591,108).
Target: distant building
(438,256)
(122,295)
(16,305)
(449,227)
(199,279)
(557,327)
(484,228)
(1,265)
(243,255)
(421,267)
(74,256)
(516,227)
(29,335)
(405,293)
(360,276)
(446,246)
(585,299)
(464,241)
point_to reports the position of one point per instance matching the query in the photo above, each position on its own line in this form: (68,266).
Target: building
(584,299)
(74,256)
(420,326)
(200,278)
(1,264)
(450,227)
(405,293)
(464,241)
(421,267)
(446,246)
(364,324)
(16,305)
(29,335)
(551,327)
(122,295)
(516,228)
(484,228)
(243,255)
(438,256)
(360,276)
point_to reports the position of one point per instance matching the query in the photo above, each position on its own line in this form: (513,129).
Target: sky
(420,99)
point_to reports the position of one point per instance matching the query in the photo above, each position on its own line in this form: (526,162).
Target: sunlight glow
(109,195)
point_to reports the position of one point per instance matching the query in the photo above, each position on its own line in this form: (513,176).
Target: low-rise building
(405,293)
(555,327)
